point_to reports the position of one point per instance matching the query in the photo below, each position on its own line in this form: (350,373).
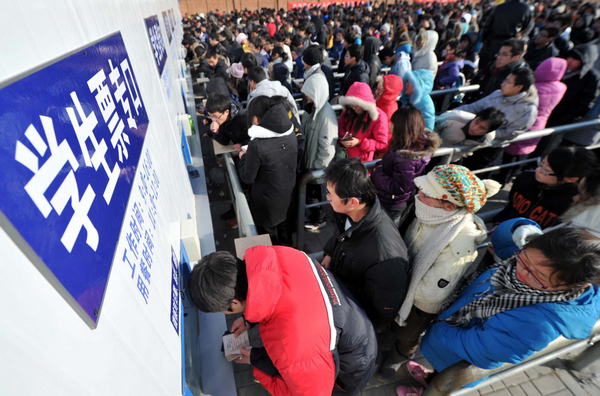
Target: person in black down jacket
(217,65)
(541,47)
(544,195)
(269,164)
(356,68)
(368,255)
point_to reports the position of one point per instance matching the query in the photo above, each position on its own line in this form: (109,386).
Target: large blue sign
(157,42)
(71,139)
(168,27)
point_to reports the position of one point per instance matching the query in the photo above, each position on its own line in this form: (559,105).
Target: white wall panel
(46,347)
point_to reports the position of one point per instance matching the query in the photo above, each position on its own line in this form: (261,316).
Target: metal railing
(452,379)
(446,153)
(242,210)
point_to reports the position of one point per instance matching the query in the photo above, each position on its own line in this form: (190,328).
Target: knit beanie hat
(312,55)
(236,70)
(457,184)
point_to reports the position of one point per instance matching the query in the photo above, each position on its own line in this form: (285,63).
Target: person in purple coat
(409,151)
(447,75)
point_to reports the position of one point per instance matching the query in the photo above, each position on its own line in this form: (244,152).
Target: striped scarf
(508,293)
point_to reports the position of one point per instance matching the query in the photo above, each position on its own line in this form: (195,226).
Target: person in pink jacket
(363,127)
(550,92)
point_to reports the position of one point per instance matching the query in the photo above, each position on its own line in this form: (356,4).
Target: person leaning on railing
(515,309)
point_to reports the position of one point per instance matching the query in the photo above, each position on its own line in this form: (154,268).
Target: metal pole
(586,358)
(446,103)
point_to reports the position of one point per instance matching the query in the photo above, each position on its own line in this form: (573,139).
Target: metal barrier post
(304,180)
(245,220)
(446,103)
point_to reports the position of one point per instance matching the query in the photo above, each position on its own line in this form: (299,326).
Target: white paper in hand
(233,346)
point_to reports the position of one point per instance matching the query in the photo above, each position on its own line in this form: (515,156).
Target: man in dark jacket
(582,82)
(368,255)
(319,341)
(505,22)
(356,68)
(541,47)
(228,123)
(508,59)
(217,65)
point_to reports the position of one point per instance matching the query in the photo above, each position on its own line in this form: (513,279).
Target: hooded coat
(520,111)
(394,175)
(401,63)
(319,126)
(550,92)
(392,87)
(269,166)
(422,82)
(425,57)
(372,45)
(501,339)
(287,291)
(358,73)
(375,136)
(582,88)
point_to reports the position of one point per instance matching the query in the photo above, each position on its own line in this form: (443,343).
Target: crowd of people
(406,231)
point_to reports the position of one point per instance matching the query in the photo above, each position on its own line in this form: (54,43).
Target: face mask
(444,52)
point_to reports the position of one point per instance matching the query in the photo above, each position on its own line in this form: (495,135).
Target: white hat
(241,37)
(467,17)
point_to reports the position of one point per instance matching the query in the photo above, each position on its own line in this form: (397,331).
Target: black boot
(387,371)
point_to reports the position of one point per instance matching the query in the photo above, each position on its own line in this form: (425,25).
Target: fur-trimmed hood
(359,94)
(431,141)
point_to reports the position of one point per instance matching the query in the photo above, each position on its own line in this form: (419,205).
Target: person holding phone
(362,127)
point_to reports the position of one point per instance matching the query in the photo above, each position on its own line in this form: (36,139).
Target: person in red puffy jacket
(363,127)
(389,88)
(317,340)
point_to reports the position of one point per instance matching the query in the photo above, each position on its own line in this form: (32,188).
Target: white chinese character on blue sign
(76,128)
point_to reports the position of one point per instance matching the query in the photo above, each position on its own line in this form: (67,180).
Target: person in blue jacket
(417,87)
(510,311)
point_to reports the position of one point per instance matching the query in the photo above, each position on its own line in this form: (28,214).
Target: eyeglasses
(213,118)
(328,194)
(542,167)
(506,81)
(528,270)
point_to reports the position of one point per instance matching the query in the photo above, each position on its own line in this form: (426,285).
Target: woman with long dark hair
(409,151)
